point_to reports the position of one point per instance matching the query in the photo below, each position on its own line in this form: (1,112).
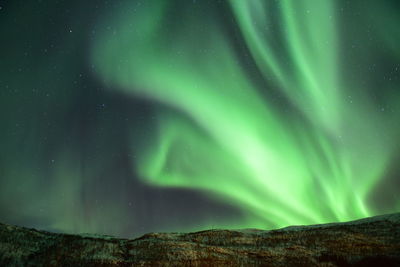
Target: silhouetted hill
(372,241)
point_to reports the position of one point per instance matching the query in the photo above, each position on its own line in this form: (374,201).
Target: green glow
(224,133)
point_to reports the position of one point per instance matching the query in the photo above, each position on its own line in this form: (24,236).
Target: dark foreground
(369,242)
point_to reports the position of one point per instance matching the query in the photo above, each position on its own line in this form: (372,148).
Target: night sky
(127,117)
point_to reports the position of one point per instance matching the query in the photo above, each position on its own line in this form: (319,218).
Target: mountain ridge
(365,242)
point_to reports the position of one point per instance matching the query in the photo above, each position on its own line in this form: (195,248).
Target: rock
(373,241)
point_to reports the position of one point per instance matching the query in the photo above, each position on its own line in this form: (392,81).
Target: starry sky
(127,117)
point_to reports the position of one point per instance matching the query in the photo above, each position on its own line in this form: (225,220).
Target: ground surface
(369,242)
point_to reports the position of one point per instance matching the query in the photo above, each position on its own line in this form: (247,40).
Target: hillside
(367,242)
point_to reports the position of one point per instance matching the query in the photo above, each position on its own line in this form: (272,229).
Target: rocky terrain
(368,242)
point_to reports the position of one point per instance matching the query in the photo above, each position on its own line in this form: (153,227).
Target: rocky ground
(369,242)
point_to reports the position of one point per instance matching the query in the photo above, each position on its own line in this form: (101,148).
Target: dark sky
(292,108)
(52,102)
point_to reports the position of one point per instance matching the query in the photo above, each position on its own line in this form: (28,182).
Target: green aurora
(128,117)
(312,156)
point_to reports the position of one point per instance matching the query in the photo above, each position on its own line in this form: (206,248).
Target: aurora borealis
(127,117)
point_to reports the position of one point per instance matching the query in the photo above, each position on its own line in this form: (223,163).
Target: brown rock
(368,242)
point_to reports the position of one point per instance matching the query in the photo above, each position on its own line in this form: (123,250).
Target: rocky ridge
(368,242)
